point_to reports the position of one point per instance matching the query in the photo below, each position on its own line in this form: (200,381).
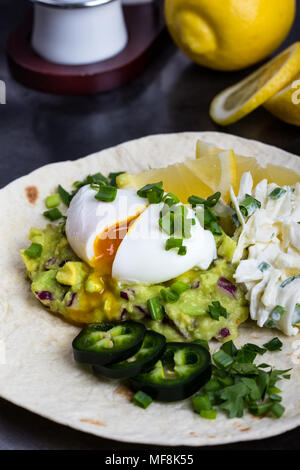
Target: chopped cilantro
(216,310)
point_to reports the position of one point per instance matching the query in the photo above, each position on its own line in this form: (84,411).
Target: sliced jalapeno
(150,351)
(181,371)
(105,343)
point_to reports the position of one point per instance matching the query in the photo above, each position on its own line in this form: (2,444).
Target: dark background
(173,95)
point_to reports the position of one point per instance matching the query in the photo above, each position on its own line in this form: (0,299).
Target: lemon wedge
(241,99)
(285,105)
(202,177)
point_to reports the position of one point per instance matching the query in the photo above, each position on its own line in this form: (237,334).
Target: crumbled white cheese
(268,253)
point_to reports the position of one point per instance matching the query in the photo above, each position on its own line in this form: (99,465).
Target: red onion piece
(72,298)
(224,332)
(227,285)
(195,285)
(44,295)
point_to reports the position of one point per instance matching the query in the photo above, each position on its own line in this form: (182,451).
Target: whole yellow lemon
(229,34)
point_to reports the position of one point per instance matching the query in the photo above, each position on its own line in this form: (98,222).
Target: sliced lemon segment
(241,99)
(285,105)
(201,177)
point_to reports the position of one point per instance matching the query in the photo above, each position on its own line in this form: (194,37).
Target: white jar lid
(71,3)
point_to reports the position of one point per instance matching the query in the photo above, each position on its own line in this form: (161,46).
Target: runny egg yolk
(107,243)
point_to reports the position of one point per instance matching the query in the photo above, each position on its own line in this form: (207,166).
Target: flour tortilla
(39,372)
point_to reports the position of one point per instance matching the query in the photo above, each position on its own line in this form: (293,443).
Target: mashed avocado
(66,285)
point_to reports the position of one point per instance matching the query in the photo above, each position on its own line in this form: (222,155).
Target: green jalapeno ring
(181,371)
(108,342)
(149,353)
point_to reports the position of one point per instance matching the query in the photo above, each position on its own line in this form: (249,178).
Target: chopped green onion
(169,296)
(277,410)
(141,399)
(249,205)
(229,348)
(173,243)
(52,201)
(212,385)
(201,402)
(113,178)
(211,201)
(202,342)
(182,251)
(274,345)
(64,195)
(171,199)
(222,359)
(288,281)
(153,192)
(264,266)
(277,312)
(270,324)
(179,287)
(155,308)
(215,228)
(277,193)
(53,214)
(34,251)
(208,414)
(106,193)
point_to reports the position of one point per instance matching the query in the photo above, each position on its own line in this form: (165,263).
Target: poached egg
(123,238)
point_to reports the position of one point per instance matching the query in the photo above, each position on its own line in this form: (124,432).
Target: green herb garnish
(277,312)
(274,345)
(113,177)
(238,384)
(216,310)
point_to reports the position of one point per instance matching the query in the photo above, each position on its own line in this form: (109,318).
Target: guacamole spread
(211,305)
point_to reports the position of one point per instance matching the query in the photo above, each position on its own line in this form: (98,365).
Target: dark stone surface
(35,129)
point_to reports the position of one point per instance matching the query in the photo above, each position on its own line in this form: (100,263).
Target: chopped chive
(277,193)
(155,308)
(274,345)
(264,266)
(141,399)
(52,201)
(106,193)
(173,243)
(53,214)
(222,359)
(34,251)
(64,195)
